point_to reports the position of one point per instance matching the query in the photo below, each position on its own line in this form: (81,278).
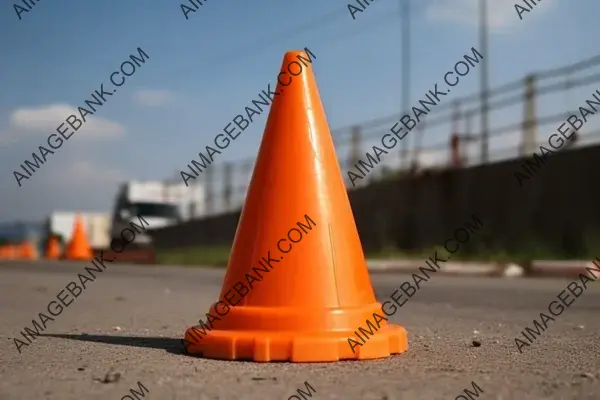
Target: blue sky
(203,71)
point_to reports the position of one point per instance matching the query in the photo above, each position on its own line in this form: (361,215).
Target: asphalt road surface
(131,319)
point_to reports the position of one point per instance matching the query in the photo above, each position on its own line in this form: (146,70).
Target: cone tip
(293,55)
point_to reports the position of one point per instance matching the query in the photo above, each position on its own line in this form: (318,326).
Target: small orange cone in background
(79,247)
(7,252)
(307,307)
(27,251)
(52,248)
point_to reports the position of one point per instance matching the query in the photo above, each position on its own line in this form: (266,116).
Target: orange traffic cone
(52,248)
(7,252)
(318,292)
(79,247)
(27,251)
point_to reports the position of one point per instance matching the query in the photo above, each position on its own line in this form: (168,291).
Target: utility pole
(483,39)
(405,20)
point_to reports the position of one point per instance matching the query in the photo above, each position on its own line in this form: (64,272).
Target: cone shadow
(170,345)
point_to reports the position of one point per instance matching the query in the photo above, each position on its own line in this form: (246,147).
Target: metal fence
(514,130)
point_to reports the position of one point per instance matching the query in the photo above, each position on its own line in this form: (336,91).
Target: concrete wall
(557,206)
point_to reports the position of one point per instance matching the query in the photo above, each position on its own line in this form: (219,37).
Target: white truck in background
(97,226)
(159,203)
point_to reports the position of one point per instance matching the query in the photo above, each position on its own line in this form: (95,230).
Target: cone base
(80,257)
(261,346)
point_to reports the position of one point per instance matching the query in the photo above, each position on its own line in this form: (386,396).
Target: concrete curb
(448,268)
(536,268)
(568,269)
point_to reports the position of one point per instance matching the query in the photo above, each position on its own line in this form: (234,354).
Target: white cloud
(46,119)
(501,13)
(153,98)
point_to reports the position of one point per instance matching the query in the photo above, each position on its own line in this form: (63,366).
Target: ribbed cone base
(297,347)
(320,336)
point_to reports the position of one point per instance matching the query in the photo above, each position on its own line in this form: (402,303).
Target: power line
(405,15)
(312,25)
(483,44)
(338,36)
(272,38)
